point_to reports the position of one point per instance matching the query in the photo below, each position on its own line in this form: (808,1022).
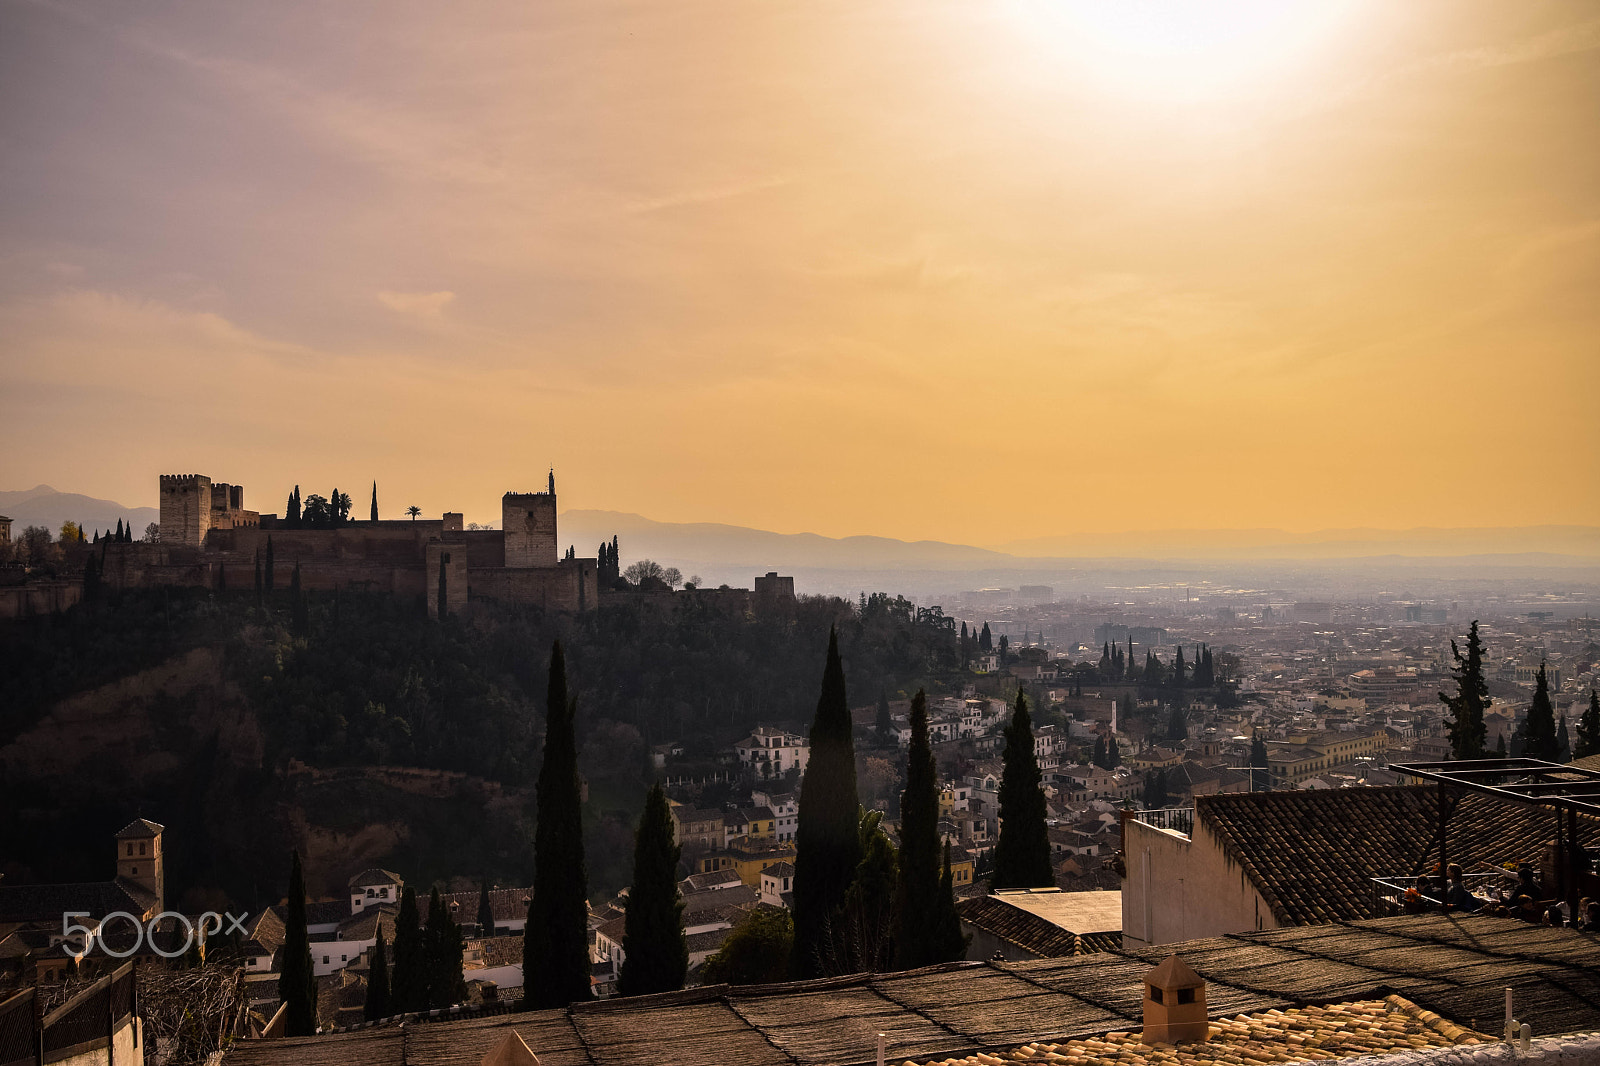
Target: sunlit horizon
(969,274)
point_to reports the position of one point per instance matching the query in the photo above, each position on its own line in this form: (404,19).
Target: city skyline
(807,268)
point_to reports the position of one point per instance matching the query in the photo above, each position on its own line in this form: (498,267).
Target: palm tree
(413,511)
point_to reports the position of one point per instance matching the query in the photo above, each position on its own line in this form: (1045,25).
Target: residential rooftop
(1454,966)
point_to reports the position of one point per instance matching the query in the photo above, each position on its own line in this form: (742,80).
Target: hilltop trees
(555,942)
(297,985)
(1539,738)
(1468,735)
(656,953)
(1022,854)
(827,837)
(923,933)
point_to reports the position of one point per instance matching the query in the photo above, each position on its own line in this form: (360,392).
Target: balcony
(1178,820)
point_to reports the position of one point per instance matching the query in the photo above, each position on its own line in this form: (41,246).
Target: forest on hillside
(358,680)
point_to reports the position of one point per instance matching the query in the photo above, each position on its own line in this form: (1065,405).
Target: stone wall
(38,597)
(450,564)
(528,520)
(185,508)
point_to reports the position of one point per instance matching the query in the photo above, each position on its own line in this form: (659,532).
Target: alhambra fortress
(209,539)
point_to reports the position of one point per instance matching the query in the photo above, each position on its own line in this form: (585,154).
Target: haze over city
(807,267)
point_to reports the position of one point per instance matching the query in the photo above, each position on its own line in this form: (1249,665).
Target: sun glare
(1181,47)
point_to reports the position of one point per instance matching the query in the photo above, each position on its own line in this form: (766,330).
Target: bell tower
(139,858)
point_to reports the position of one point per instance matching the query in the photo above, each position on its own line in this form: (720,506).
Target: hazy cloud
(424,304)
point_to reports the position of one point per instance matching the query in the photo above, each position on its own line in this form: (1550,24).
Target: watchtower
(529,522)
(185,509)
(139,858)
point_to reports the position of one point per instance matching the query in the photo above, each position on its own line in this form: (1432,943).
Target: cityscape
(800,535)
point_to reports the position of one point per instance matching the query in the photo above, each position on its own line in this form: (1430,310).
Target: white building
(773,751)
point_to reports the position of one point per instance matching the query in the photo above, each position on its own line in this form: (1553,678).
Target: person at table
(1456,896)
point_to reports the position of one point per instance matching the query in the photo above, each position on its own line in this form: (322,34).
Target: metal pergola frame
(1567,791)
(1576,790)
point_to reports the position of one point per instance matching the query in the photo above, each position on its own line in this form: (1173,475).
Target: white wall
(1181,889)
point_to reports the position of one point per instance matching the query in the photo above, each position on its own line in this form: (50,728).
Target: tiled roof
(1346,1030)
(33,903)
(1312,854)
(1031,933)
(1457,967)
(140,829)
(508,904)
(375,876)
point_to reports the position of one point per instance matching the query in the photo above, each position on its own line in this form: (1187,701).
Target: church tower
(139,859)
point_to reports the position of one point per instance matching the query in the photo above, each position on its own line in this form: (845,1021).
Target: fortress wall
(528,521)
(39,597)
(571,586)
(480,547)
(451,562)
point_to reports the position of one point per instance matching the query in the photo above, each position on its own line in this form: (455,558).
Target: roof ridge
(1456,1034)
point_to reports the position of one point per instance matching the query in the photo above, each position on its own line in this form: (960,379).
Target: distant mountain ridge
(48,507)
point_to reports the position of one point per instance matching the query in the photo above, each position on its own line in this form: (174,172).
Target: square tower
(529,522)
(185,509)
(139,858)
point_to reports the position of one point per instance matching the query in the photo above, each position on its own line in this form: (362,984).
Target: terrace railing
(1389,892)
(1173,819)
(19,1044)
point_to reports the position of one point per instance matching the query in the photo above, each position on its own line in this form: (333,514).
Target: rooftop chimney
(1174,1004)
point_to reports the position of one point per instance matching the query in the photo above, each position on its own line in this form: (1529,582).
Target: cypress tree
(119,531)
(1541,732)
(1500,746)
(1563,742)
(949,942)
(378,1005)
(1022,854)
(656,952)
(268,570)
(827,837)
(556,941)
(1468,735)
(1589,729)
(443,948)
(985,640)
(962,647)
(374,501)
(258,577)
(222,577)
(409,986)
(300,618)
(918,888)
(1005,645)
(297,985)
(1177,726)
(885,724)
(485,910)
(1179,669)
(1099,756)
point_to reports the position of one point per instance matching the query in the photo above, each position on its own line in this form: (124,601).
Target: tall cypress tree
(297,984)
(1022,854)
(556,941)
(1099,756)
(258,577)
(656,952)
(949,942)
(409,985)
(485,910)
(378,1004)
(827,836)
(300,618)
(443,949)
(1541,731)
(1179,669)
(985,640)
(1469,737)
(267,570)
(1589,729)
(918,939)
(374,501)
(885,724)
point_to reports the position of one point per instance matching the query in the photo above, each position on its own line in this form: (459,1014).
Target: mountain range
(45,506)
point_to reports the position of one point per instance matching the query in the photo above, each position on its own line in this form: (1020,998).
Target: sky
(967,271)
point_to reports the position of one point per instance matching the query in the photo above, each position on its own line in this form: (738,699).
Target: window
(135,871)
(1185,995)
(130,848)
(141,847)
(324,960)
(1155,994)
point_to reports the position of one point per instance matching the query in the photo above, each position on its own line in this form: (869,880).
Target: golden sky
(970,271)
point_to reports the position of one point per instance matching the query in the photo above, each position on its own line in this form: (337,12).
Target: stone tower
(529,522)
(185,509)
(139,858)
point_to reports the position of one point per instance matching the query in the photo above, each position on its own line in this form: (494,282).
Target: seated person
(1528,883)
(1456,896)
(1590,916)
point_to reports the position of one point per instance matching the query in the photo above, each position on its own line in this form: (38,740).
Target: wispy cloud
(423,304)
